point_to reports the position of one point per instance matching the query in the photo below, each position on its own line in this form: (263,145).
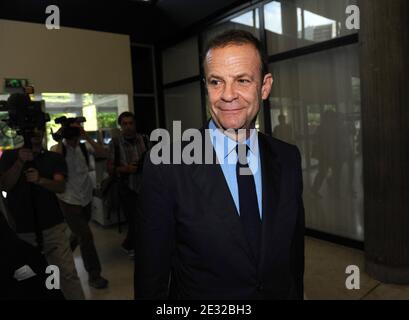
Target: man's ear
(267,85)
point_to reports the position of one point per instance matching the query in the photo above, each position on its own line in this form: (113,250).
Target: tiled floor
(116,266)
(325,275)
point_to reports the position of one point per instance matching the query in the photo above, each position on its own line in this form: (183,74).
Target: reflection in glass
(272,16)
(315,104)
(249,21)
(317,28)
(299,23)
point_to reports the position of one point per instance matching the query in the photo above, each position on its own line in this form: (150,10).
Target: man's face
(38,136)
(75,125)
(235,85)
(128,126)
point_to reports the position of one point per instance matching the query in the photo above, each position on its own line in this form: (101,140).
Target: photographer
(76,200)
(31,177)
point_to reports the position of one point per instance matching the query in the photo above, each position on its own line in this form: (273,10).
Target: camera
(67,131)
(24,115)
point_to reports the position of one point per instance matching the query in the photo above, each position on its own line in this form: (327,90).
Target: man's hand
(9,178)
(98,149)
(57,136)
(83,133)
(32,175)
(25,155)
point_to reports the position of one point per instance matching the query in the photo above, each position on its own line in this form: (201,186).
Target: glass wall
(186,52)
(315,104)
(299,23)
(249,21)
(183,103)
(182,88)
(100,111)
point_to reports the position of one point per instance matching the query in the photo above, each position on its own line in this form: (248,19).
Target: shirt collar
(224,145)
(132,141)
(69,146)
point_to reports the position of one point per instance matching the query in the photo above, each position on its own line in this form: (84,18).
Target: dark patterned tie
(249,211)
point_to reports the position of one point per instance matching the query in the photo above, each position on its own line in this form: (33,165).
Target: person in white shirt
(76,201)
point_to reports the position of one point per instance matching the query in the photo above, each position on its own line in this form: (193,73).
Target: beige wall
(66,60)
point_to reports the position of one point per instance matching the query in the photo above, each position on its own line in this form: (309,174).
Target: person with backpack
(76,201)
(125,162)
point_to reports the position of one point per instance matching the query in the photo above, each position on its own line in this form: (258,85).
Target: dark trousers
(30,289)
(77,218)
(15,254)
(129,205)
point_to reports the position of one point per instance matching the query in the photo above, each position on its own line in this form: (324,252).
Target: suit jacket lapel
(271,179)
(210,180)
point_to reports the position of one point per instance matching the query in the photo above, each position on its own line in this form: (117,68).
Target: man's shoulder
(286,154)
(279,146)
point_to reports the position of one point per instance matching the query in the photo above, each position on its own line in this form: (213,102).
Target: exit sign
(15,85)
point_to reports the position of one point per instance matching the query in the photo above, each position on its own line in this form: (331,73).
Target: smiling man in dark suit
(233,229)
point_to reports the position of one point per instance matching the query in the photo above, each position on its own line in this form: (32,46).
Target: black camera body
(24,115)
(67,131)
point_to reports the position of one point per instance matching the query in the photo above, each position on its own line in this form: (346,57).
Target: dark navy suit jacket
(190,241)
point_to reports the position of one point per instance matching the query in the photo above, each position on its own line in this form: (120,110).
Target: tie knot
(242,152)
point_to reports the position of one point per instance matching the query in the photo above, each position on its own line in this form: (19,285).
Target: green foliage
(8,136)
(107,120)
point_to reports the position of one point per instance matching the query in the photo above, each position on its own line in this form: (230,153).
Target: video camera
(67,131)
(24,115)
